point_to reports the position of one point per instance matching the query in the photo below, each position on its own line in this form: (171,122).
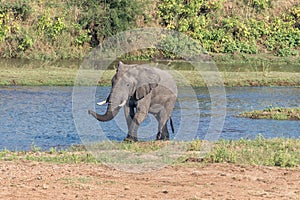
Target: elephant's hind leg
(163,134)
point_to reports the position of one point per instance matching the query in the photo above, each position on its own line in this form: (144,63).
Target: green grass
(254,59)
(267,152)
(52,156)
(274,113)
(40,76)
(66,76)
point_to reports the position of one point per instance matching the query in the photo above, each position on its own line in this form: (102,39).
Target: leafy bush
(25,42)
(49,26)
(259,5)
(178,45)
(220,33)
(62,29)
(106,18)
(4,27)
(20,8)
(69,28)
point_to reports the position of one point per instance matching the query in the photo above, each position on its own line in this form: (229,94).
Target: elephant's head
(129,82)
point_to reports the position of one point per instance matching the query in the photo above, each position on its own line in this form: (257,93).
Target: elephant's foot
(130,138)
(162,136)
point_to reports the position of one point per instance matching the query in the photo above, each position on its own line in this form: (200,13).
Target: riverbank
(278,152)
(56,74)
(233,170)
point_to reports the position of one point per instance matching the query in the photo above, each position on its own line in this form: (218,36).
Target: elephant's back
(167,81)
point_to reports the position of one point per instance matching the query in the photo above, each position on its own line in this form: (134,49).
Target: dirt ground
(34,180)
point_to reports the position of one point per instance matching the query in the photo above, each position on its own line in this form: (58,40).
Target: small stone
(196,173)
(165,192)
(45,186)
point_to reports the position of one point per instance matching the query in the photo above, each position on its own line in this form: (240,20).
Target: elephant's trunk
(109,115)
(113,105)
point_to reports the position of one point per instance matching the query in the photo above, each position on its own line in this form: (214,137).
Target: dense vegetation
(68,29)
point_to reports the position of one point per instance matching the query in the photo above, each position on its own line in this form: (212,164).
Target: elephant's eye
(127,84)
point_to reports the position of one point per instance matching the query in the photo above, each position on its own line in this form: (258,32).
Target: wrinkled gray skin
(141,89)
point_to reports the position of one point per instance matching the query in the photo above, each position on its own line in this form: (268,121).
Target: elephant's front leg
(128,115)
(140,115)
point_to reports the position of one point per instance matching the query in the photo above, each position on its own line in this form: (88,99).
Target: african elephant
(141,89)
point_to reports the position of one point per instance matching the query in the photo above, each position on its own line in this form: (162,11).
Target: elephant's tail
(171,123)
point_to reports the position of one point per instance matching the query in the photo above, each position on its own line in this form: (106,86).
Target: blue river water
(43,116)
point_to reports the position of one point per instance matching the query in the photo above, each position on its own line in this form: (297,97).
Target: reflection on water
(42,116)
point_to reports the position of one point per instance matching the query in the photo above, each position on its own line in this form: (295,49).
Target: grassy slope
(27,36)
(63,76)
(37,76)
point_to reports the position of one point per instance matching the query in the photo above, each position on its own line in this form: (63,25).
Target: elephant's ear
(120,66)
(145,89)
(149,80)
(123,68)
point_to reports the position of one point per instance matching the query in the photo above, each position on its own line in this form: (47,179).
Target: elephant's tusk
(102,103)
(122,104)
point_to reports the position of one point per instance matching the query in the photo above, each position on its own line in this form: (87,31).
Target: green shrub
(69,28)
(206,22)
(259,5)
(81,36)
(4,27)
(106,18)
(20,8)
(50,26)
(25,42)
